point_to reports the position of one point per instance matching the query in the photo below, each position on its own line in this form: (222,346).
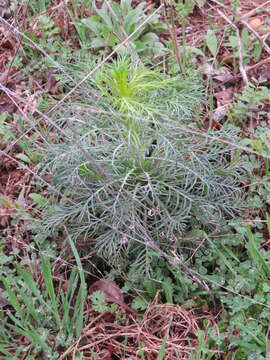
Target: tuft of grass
(37,314)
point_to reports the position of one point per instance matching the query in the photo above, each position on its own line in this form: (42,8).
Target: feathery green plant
(131,178)
(133,90)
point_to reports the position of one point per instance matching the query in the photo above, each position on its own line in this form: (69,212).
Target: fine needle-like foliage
(133,177)
(134,90)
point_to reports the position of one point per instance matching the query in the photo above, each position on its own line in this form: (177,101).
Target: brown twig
(106,47)
(240,48)
(253,11)
(158,320)
(266,47)
(173,36)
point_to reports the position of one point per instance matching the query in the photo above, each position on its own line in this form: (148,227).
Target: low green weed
(6,133)
(243,272)
(39,6)
(114,22)
(237,270)
(101,306)
(248,103)
(260,141)
(202,351)
(251,47)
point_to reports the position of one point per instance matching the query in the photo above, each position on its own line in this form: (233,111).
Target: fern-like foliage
(128,183)
(136,91)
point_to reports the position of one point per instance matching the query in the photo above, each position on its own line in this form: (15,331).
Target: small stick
(106,48)
(174,40)
(250,13)
(241,64)
(266,47)
(266,344)
(253,11)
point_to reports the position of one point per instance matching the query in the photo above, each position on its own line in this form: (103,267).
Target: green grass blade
(34,337)
(231,253)
(141,354)
(255,253)
(47,275)
(16,322)
(13,299)
(161,353)
(73,281)
(30,282)
(67,298)
(82,293)
(268,223)
(28,301)
(5,352)
(77,317)
(65,307)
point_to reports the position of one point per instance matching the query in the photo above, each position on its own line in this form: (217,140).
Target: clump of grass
(127,182)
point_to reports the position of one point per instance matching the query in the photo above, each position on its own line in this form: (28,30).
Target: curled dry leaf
(4,216)
(110,289)
(31,104)
(5,10)
(220,112)
(223,76)
(264,75)
(51,85)
(225,95)
(112,293)
(255,23)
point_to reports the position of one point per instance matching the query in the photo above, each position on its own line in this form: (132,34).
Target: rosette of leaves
(132,178)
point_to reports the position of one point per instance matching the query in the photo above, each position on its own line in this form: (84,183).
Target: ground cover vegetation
(134,183)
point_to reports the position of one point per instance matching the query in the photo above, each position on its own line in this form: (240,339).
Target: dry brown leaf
(4,216)
(3,301)
(264,75)
(220,112)
(110,289)
(112,294)
(223,77)
(224,95)
(255,23)
(5,10)
(7,106)
(51,82)
(31,104)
